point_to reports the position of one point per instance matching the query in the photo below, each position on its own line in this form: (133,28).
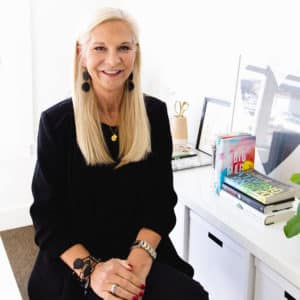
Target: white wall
(185,55)
(16,115)
(15,80)
(190,50)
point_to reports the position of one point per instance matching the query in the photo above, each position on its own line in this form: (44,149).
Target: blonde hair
(134,128)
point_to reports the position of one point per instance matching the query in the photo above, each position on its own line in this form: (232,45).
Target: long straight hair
(134,128)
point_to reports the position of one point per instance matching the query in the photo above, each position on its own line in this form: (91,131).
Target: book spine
(266,219)
(247,199)
(279,216)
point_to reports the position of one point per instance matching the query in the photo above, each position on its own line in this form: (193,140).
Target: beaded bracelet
(87,266)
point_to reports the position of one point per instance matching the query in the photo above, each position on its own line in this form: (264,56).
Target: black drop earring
(86,77)
(130,83)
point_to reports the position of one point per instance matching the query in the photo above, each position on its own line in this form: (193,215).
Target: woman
(103,188)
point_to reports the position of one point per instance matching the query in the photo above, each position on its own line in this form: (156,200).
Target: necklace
(114,133)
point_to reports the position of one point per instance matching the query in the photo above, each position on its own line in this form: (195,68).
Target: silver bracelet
(146,246)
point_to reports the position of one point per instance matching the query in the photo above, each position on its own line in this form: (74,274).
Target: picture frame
(250,108)
(266,104)
(215,119)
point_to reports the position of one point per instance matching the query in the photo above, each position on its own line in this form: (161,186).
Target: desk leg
(186,233)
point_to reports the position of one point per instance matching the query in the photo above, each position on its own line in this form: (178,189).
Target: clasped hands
(122,279)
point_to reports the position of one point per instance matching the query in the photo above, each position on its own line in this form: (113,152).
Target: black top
(113,147)
(98,206)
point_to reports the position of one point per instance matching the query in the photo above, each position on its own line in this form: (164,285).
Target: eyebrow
(123,43)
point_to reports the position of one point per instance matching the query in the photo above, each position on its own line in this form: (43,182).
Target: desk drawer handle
(215,239)
(288,296)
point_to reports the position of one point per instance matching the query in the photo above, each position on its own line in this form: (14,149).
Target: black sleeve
(49,210)
(161,198)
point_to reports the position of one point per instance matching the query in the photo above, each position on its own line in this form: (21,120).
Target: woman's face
(110,55)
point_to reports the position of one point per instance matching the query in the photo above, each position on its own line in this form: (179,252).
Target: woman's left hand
(141,263)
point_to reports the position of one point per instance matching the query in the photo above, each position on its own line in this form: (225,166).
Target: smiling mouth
(112,73)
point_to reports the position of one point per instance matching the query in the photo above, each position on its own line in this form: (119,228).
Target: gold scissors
(180,108)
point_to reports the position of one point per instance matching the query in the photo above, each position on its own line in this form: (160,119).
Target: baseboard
(15,217)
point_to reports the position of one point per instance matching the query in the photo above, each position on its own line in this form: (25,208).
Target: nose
(113,58)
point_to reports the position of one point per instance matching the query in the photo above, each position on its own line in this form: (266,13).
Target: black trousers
(166,283)
(163,283)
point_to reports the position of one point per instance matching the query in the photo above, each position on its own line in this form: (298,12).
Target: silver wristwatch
(146,246)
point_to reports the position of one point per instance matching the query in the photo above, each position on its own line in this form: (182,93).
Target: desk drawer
(221,265)
(270,285)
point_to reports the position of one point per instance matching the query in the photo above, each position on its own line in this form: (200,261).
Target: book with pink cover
(234,153)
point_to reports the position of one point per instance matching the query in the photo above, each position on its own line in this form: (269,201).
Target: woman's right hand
(117,273)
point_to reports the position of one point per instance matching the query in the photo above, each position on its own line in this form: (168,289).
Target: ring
(113,288)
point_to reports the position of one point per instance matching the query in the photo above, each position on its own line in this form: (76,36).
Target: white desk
(269,250)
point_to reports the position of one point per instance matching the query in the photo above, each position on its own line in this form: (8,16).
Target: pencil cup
(179,130)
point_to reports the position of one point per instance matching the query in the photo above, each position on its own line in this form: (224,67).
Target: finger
(129,276)
(119,291)
(126,286)
(109,296)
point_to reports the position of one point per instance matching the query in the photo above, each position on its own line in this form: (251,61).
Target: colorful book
(266,219)
(263,208)
(260,187)
(233,154)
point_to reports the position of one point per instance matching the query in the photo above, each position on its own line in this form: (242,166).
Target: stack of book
(268,200)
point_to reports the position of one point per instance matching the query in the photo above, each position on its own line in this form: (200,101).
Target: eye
(100,49)
(124,48)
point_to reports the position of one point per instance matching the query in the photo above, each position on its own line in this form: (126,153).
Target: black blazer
(97,206)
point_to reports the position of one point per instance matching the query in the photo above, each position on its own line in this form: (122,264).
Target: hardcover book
(233,154)
(266,219)
(263,208)
(260,187)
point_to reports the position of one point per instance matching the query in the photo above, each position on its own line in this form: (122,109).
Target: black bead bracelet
(86,266)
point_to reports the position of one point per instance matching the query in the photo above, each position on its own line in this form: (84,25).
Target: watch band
(146,246)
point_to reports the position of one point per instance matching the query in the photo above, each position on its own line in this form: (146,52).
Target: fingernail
(141,293)
(143,286)
(135,298)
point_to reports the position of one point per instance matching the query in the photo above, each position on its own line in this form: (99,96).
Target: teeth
(111,72)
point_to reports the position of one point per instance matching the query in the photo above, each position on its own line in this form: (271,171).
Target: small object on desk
(180,108)
(179,123)
(182,151)
(199,159)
